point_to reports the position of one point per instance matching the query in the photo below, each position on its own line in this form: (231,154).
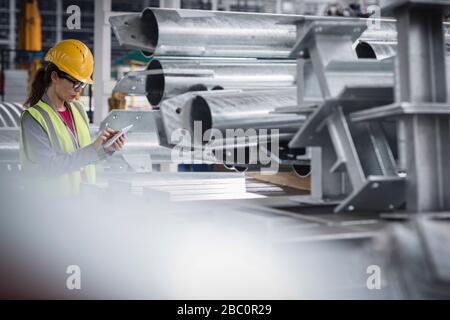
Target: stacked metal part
(247,55)
(214,67)
(194,50)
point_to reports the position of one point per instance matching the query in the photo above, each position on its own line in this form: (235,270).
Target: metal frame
(350,120)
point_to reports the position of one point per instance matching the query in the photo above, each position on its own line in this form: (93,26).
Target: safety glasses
(76,84)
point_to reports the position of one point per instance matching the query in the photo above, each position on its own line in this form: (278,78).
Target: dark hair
(42,80)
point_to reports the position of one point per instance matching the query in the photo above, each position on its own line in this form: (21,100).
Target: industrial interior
(280,149)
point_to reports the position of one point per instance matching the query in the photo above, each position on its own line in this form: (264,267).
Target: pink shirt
(67,119)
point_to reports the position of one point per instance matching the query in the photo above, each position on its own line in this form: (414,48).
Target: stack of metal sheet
(185,186)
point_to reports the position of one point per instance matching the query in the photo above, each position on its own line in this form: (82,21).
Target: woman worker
(54,139)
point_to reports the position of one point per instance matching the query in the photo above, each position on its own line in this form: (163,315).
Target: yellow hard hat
(74,58)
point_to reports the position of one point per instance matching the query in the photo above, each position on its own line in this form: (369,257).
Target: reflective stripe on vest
(61,141)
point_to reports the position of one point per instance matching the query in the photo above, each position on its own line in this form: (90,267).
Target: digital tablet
(121,132)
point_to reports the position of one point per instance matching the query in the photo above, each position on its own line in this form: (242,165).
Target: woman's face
(64,88)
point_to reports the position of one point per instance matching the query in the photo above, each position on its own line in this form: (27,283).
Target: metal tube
(168,78)
(242,110)
(171,111)
(225,34)
(376,50)
(381,43)
(205,33)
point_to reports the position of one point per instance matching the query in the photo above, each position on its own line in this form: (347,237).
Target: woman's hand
(103,136)
(117,145)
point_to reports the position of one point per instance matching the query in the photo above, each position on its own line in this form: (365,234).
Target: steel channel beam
(421,78)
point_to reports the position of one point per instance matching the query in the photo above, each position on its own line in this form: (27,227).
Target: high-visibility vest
(61,142)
